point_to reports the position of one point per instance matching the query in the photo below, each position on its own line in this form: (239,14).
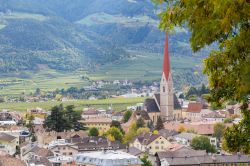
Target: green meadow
(141,66)
(117,104)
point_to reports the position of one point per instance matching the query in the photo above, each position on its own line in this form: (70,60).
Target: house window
(156,147)
(162,142)
(156,142)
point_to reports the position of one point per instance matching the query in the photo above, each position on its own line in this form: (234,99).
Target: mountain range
(66,35)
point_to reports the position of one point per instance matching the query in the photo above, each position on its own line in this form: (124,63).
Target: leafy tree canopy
(62,119)
(226,23)
(115,133)
(219,129)
(145,161)
(93,132)
(127,115)
(202,143)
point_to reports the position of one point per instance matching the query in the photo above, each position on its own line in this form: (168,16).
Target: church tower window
(163,89)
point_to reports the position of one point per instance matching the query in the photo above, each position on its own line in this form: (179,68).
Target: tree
(234,140)
(117,124)
(227,24)
(219,129)
(159,124)
(181,129)
(55,121)
(115,132)
(140,123)
(127,115)
(93,131)
(145,161)
(142,130)
(202,143)
(192,92)
(62,119)
(132,132)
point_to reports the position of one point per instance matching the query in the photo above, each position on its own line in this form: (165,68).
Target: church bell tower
(166,87)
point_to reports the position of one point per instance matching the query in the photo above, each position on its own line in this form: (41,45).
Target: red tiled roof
(166,61)
(194,107)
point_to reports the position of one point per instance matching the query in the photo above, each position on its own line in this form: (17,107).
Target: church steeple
(166,61)
(166,87)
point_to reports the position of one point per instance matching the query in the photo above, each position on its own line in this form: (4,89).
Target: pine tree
(159,124)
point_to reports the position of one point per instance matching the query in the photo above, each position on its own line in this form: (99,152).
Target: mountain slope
(66,35)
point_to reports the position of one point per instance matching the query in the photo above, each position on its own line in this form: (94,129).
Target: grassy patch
(20,15)
(142,66)
(116,103)
(104,18)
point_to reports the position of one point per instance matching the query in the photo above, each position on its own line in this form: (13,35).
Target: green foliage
(159,124)
(237,137)
(140,123)
(117,124)
(115,133)
(62,119)
(202,143)
(93,131)
(219,129)
(226,23)
(127,115)
(142,130)
(132,132)
(145,161)
(228,120)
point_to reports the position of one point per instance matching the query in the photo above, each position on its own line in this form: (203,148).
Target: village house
(200,128)
(45,138)
(8,143)
(213,117)
(151,143)
(101,123)
(196,111)
(135,152)
(179,152)
(203,160)
(117,116)
(185,138)
(32,154)
(62,147)
(99,143)
(89,113)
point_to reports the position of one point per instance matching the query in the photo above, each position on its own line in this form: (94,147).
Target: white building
(107,158)
(8,143)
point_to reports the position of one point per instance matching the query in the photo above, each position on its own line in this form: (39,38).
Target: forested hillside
(66,35)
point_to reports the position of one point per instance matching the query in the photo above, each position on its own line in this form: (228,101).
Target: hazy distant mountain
(68,34)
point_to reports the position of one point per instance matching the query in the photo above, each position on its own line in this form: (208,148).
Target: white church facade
(165,103)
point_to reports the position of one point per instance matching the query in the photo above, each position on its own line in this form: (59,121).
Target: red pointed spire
(166,61)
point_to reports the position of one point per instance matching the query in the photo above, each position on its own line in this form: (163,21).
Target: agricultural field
(117,104)
(141,66)
(22,15)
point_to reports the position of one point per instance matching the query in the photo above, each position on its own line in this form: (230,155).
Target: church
(165,103)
